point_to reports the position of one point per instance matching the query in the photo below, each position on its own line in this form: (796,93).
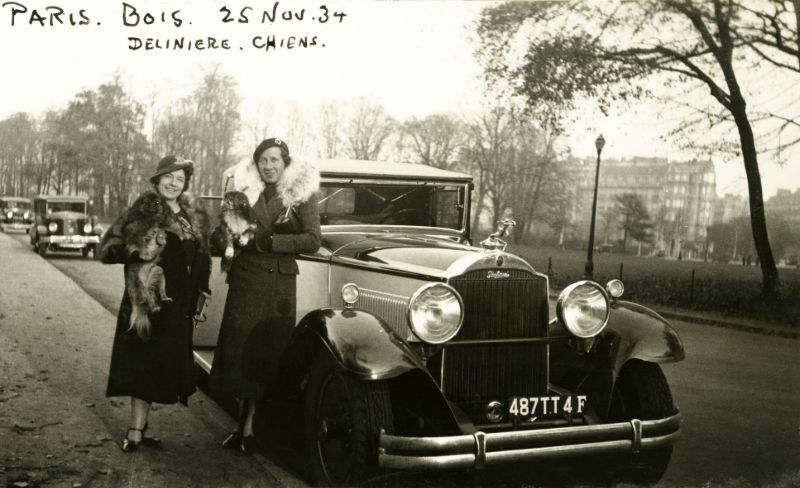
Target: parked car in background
(15,213)
(63,223)
(415,349)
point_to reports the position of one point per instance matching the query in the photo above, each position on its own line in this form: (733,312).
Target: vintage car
(15,213)
(415,349)
(63,223)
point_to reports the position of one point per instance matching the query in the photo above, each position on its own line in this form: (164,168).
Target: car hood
(66,215)
(423,255)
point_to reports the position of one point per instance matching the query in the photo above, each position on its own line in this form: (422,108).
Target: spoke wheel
(343,418)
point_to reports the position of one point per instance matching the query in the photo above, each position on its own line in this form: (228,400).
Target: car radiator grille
(510,307)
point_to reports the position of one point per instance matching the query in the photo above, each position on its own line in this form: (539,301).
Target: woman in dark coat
(158,366)
(259,312)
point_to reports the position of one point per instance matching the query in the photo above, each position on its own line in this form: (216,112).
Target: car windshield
(21,204)
(428,205)
(79,207)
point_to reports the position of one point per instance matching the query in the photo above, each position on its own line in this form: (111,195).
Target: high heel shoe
(149,441)
(129,445)
(248,445)
(233,441)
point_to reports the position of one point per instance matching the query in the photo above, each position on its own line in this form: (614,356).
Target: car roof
(64,198)
(14,199)
(338,168)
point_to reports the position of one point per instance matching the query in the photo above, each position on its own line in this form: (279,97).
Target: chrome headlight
(350,293)
(52,227)
(435,313)
(87,228)
(615,288)
(26,215)
(583,308)
(10,215)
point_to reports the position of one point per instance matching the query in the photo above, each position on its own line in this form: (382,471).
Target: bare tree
(485,155)
(434,139)
(331,121)
(203,127)
(368,129)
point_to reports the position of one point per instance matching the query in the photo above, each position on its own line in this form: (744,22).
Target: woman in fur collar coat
(157,366)
(259,315)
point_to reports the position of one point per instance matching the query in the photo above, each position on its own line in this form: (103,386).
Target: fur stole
(199,217)
(300,181)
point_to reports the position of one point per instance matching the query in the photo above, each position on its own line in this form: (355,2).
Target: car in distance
(63,223)
(415,349)
(15,213)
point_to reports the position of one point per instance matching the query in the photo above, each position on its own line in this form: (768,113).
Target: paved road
(737,392)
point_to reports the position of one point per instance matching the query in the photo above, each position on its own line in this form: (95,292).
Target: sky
(414,57)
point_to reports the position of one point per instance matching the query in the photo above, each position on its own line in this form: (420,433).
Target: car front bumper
(16,225)
(486,449)
(76,242)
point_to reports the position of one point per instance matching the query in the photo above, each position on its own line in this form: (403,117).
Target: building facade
(679,197)
(729,208)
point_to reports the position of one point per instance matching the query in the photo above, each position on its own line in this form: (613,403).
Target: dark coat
(159,369)
(259,315)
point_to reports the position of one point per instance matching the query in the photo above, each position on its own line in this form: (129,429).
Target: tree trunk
(758,220)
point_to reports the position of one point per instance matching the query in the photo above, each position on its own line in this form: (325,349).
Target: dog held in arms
(145,238)
(238,225)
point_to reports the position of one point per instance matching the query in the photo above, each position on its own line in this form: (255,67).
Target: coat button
(269,270)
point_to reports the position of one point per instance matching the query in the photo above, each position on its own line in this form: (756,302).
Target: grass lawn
(726,288)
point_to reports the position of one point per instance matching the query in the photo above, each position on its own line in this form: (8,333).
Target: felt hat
(168,164)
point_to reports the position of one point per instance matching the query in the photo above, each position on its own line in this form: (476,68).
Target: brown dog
(144,240)
(238,225)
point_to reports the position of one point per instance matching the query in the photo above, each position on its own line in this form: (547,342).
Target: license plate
(550,406)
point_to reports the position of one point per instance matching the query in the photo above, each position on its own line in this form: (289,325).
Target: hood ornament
(495,242)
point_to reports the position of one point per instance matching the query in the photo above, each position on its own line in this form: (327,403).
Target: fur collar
(300,181)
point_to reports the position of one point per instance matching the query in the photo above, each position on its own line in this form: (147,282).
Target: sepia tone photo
(408,243)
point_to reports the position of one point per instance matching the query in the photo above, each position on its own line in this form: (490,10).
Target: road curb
(755,329)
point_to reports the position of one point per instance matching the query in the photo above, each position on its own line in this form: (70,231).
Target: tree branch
(772,60)
(694,70)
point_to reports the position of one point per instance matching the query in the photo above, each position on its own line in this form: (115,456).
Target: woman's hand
(263,240)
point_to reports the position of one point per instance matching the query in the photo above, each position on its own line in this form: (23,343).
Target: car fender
(638,332)
(633,332)
(364,346)
(361,343)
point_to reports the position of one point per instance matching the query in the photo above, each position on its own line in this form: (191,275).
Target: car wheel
(41,248)
(343,418)
(85,252)
(96,252)
(641,392)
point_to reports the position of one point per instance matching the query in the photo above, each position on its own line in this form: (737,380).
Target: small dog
(145,239)
(238,225)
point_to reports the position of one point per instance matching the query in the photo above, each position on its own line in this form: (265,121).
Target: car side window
(337,205)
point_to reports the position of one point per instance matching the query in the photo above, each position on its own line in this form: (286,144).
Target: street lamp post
(588,271)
